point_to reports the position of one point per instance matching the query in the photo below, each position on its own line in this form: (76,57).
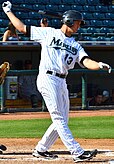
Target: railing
(82,72)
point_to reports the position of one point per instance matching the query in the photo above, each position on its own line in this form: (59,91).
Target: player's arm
(93,65)
(5,36)
(20,26)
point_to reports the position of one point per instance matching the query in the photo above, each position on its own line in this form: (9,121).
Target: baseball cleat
(46,155)
(87,155)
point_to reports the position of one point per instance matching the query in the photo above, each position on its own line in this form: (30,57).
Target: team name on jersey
(58,44)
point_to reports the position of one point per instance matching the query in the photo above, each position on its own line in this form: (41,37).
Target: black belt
(56,74)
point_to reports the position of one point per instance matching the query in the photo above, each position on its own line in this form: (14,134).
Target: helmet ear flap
(68,21)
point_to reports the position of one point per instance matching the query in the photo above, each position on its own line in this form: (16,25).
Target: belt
(56,74)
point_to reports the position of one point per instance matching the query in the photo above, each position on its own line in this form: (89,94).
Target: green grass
(83,127)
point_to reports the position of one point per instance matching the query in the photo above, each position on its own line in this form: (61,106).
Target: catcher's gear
(7,6)
(104,66)
(4,68)
(70,16)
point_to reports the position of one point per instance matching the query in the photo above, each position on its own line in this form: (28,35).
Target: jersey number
(68,59)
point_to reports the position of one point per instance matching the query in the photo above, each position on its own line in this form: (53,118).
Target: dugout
(78,78)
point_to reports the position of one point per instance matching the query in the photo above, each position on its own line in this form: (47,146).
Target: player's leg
(53,94)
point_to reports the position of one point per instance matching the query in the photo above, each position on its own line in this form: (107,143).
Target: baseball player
(44,22)
(59,53)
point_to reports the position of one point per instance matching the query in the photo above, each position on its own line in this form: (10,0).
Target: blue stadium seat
(82,2)
(34,15)
(2,30)
(87,15)
(88,38)
(38,7)
(96,23)
(101,8)
(18,1)
(57,2)
(101,38)
(22,14)
(109,16)
(111,8)
(112,38)
(77,7)
(51,7)
(98,16)
(108,23)
(63,8)
(55,23)
(93,2)
(70,2)
(90,9)
(25,5)
(31,22)
(4,22)
(91,30)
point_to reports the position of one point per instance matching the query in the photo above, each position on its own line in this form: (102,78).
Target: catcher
(4,68)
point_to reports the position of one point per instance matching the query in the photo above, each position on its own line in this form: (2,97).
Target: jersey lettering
(58,44)
(68,59)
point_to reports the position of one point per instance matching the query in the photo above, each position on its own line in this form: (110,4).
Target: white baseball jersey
(59,54)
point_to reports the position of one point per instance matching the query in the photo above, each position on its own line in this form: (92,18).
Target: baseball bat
(42,12)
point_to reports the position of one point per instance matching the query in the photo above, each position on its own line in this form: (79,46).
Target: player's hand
(105,67)
(7,6)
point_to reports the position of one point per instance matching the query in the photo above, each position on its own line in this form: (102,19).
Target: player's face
(75,26)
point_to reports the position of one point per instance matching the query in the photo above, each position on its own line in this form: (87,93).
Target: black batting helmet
(70,16)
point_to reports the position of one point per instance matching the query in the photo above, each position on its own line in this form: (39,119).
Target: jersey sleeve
(81,55)
(38,33)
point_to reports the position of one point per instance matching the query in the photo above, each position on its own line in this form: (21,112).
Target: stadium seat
(87,15)
(102,9)
(108,23)
(104,30)
(70,2)
(82,2)
(18,1)
(88,38)
(63,8)
(57,2)
(101,38)
(93,2)
(98,16)
(31,22)
(34,15)
(77,7)
(38,7)
(91,30)
(90,9)
(96,23)
(22,14)
(2,30)
(111,8)
(51,7)
(25,6)
(112,38)
(55,23)
(4,22)
(109,16)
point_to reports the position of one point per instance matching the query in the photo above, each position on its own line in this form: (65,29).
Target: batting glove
(7,6)
(104,66)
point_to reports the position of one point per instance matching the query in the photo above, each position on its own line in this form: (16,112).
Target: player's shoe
(2,148)
(46,154)
(87,155)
